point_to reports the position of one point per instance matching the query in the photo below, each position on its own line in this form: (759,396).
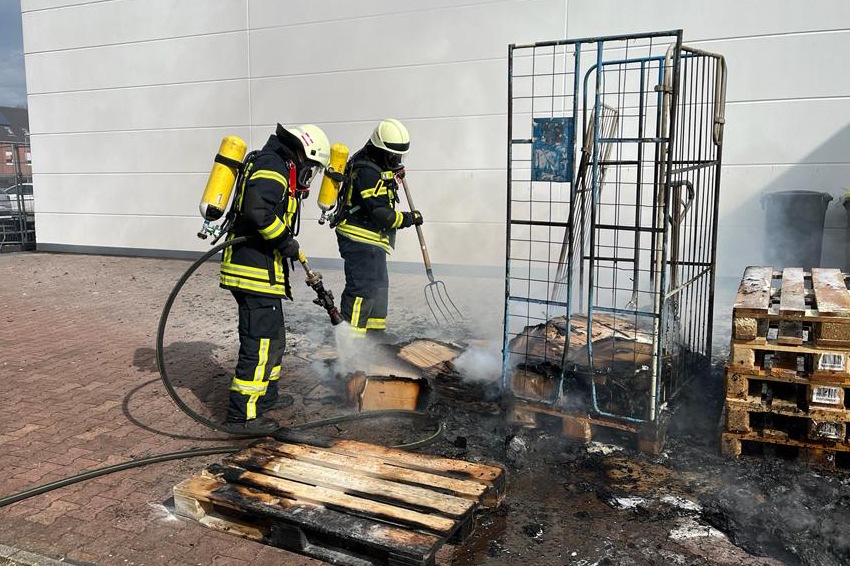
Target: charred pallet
(792,307)
(648,437)
(804,393)
(819,455)
(786,420)
(341,501)
(776,360)
(619,376)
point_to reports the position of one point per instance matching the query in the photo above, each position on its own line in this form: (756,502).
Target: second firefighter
(367,229)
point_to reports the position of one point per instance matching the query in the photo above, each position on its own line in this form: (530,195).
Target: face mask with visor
(305,178)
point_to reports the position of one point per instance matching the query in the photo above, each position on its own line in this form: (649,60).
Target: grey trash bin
(794,228)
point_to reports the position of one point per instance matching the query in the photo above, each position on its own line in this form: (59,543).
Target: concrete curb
(29,558)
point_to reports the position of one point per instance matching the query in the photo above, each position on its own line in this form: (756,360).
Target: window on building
(29,158)
(9,158)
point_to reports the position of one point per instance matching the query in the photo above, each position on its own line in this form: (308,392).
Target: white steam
(481,363)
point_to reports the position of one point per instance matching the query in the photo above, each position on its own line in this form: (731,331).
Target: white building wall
(128,101)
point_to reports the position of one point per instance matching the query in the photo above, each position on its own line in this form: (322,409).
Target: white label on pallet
(772,333)
(831,362)
(829,430)
(826,394)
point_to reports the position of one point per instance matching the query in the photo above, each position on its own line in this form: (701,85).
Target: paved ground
(82,391)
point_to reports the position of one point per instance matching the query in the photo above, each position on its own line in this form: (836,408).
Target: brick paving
(82,391)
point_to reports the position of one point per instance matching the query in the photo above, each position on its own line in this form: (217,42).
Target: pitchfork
(437,298)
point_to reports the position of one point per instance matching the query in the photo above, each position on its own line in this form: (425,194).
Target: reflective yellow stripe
(355,311)
(250,285)
(291,209)
(251,407)
(363,235)
(279,275)
(376,323)
(399,218)
(273,230)
(263,355)
(248,387)
(268,174)
(376,191)
(275,374)
(245,271)
(358,332)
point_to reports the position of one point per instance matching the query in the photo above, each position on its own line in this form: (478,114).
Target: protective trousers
(365,297)
(262,338)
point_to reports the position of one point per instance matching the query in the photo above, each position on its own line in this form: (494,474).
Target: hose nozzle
(324,298)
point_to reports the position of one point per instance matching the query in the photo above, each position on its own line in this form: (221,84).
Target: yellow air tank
(332,178)
(228,160)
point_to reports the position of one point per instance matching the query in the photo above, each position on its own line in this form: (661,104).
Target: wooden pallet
(793,307)
(648,437)
(803,392)
(823,456)
(341,501)
(786,420)
(777,360)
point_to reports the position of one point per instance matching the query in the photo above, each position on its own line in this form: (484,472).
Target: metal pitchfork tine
(437,297)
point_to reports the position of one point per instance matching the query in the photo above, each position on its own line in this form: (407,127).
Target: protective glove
(289,248)
(411,219)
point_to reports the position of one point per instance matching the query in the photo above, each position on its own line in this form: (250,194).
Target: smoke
(356,353)
(481,363)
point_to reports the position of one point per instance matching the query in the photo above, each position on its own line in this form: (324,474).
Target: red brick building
(15,156)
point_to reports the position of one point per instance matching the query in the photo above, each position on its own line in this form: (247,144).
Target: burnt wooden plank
(306,528)
(831,295)
(650,437)
(339,500)
(735,450)
(425,354)
(792,299)
(754,291)
(376,467)
(792,306)
(352,483)
(449,467)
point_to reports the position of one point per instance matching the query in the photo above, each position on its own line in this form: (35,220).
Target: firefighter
(257,273)
(367,229)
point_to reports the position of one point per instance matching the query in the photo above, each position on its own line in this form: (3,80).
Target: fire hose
(324,299)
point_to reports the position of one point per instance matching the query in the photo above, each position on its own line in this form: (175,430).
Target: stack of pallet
(789,366)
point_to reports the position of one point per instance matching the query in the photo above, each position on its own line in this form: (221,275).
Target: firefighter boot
(258,426)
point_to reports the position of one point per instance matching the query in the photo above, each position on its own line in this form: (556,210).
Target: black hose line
(14,498)
(282,432)
(160,335)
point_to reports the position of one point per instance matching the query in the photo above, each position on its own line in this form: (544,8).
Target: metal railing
(17,211)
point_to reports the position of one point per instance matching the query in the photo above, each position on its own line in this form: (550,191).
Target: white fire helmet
(317,146)
(391,136)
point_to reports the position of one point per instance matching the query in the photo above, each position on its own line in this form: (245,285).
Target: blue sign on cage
(552,142)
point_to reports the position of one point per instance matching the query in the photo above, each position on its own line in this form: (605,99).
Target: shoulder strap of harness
(242,169)
(341,211)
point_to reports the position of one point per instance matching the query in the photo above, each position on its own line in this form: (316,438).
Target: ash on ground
(568,502)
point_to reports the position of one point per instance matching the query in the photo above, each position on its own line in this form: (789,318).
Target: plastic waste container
(794,228)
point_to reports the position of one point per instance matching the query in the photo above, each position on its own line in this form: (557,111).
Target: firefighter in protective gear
(367,229)
(256,272)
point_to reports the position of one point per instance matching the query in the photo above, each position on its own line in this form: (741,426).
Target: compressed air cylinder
(330,185)
(222,177)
